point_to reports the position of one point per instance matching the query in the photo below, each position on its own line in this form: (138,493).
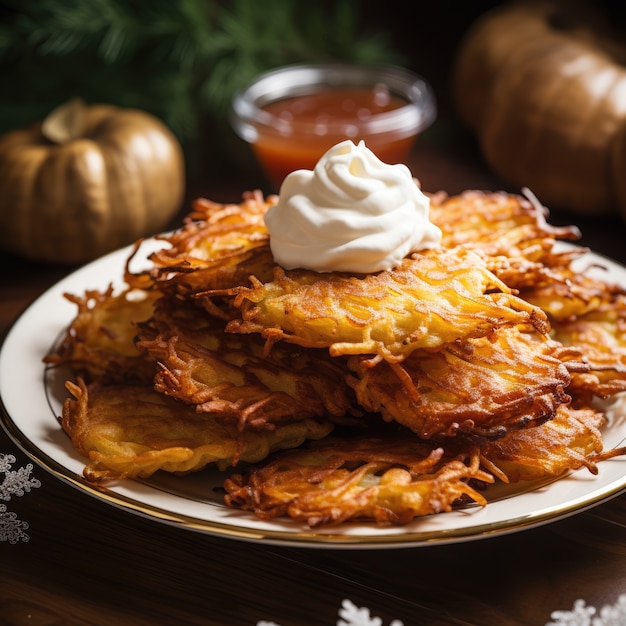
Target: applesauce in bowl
(292,115)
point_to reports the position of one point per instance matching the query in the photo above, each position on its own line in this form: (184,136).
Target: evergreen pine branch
(181,60)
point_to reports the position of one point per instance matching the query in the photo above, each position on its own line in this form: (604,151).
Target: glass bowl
(291,115)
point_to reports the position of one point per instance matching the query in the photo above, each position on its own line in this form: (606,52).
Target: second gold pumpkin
(543,85)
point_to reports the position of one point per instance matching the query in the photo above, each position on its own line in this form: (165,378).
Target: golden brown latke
(518,246)
(565,293)
(480,387)
(496,223)
(390,480)
(229,376)
(430,300)
(394,478)
(600,336)
(131,431)
(570,441)
(99,342)
(219,246)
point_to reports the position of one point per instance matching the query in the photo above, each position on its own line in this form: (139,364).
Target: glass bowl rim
(249,119)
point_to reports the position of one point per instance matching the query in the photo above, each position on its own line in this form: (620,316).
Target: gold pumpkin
(543,86)
(87,180)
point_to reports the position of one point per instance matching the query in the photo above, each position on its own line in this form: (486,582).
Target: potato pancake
(389,480)
(432,299)
(480,388)
(568,442)
(497,223)
(131,431)
(230,377)
(99,343)
(600,337)
(218,247)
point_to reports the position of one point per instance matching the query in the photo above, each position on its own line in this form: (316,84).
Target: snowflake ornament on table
(15,483)
(351,615)
(584,615)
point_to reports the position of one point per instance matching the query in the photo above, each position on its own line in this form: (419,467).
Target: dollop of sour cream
(352,213)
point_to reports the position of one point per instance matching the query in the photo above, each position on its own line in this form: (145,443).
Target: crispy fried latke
(518,246)
(131,431)
(499,224)
(601,338)
(570,441)
(387,480)
(219,246)
(480,388)
(229,377)
(430,300)
(99,343)
(565,293)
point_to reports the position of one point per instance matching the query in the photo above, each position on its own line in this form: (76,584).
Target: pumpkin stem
(65,123)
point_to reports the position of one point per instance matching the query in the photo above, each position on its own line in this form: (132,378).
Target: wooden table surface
(87,562)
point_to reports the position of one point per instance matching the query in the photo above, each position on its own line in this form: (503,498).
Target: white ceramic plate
(31,403)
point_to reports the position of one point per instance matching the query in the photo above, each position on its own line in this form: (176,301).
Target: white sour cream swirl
(352,213)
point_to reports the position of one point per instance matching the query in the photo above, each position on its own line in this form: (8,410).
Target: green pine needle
(181,60)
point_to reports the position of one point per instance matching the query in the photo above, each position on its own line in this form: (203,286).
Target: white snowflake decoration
(15,483)
(350,615)
(354,616)
(584,615)
(580,615)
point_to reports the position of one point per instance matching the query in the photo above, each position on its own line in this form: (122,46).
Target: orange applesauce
(308,125)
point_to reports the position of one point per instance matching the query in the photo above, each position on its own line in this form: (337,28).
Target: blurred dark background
(183,59)
(427,34)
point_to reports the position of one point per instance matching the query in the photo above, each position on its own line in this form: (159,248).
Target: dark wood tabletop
(89,563)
